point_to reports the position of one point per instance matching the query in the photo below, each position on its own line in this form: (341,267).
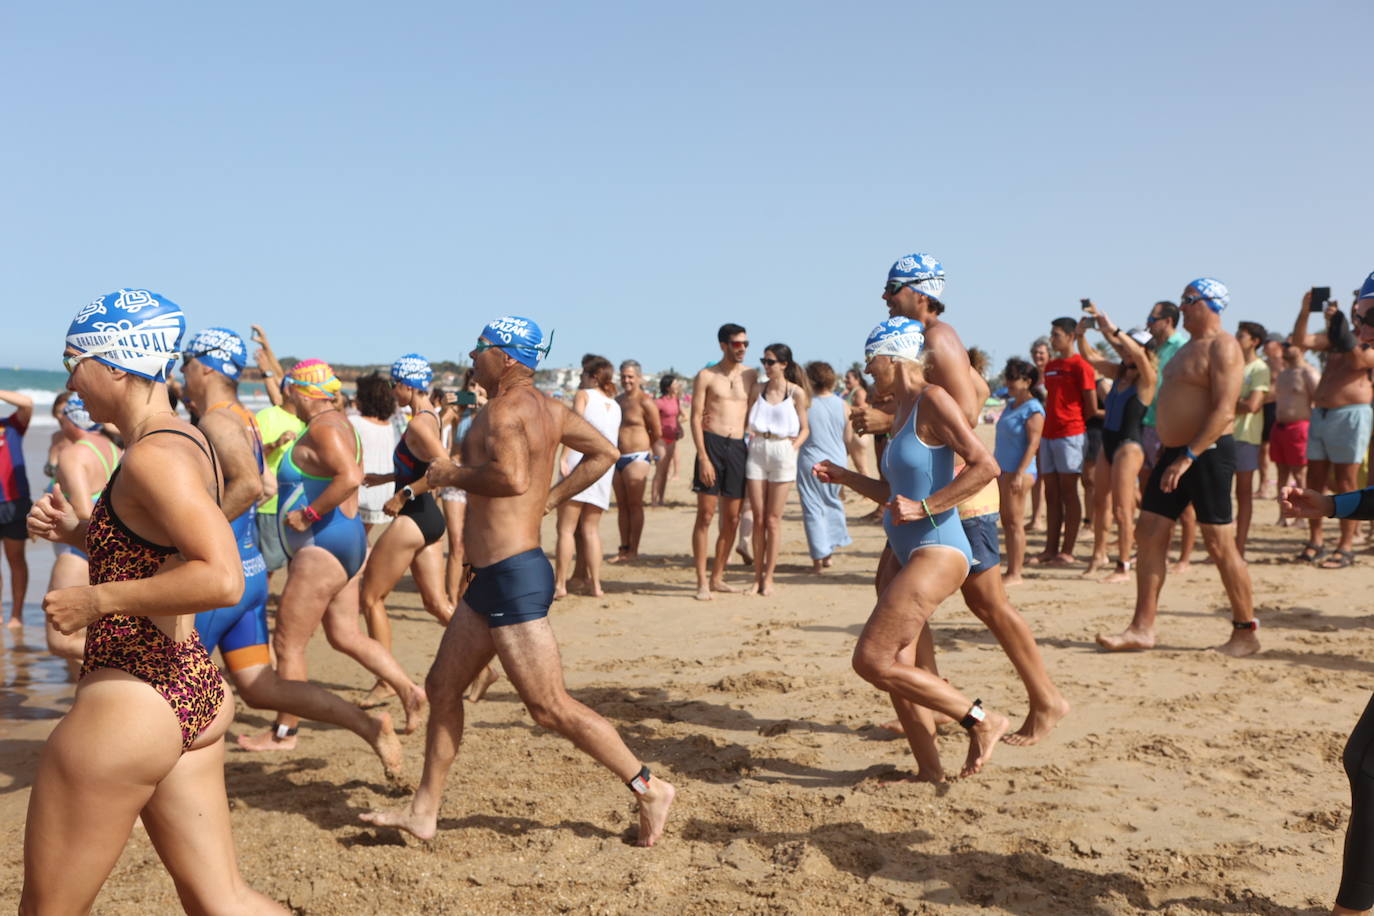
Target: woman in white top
(579,519)
(376,404)
(459,409)
(777,428)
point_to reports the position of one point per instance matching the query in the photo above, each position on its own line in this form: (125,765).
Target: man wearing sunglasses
(720,404)
(1168,338)
(1197,399)
(1338,435)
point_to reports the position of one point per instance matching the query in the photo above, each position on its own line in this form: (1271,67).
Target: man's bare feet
(895,725)
(482,683)
(380,694)
(1061,560)
(1241,644)
(1129,641)
(594,591)
(1122,573)
(720,585)
(416,704)
(704,593)
(653,810)
(1095,564)
(387,745)
(1008,581)
(418,825)
(268,741)
(982,739)
(926,775)
(559,591)
(1038,724)
(1179,566)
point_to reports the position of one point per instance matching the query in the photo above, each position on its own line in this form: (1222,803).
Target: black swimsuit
(423,509)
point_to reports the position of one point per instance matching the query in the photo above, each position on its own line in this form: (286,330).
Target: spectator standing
(1071,390)
(375,404)
(14,499)
(822,511)
(1248,430)
(1018,439)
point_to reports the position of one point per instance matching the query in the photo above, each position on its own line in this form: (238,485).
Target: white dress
(604,414)
(379,442)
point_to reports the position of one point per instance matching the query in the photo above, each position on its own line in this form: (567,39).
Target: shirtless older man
(640,428)
(1338,436)
(507,463)
(1197,407)
(720,404)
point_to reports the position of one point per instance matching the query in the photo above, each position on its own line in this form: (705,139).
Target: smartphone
(1092,324)
(1320,295)
(466,398)
(1085,303)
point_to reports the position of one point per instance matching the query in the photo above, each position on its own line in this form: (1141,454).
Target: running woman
(145,734)
(210,367)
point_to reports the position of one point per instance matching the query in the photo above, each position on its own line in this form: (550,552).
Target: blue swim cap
(412,370)
(1213,291)
(519,337)
(925,274)
(1366,291)
(75,410)
(130,329)
(898,337)
(219,348)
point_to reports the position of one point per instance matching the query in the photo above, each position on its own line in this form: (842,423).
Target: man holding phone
(1338,434)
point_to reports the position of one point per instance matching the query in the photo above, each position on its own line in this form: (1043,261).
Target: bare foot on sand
(387,745)
(933,776)
(704,593)
(267,741)
(1061,560)
(560,591)
(720,585)
(1241,644)
(982,738)
(762,588)
(14,623)
(653,810)
(1009,581)
(380,694)
(482,683)
(422,826)
(1179,567)
(1122,574)
(1095,564)
(1038,724)
(416,707)
(895,725)
(1129,641)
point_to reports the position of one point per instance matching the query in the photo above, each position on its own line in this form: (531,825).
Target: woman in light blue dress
(822,511)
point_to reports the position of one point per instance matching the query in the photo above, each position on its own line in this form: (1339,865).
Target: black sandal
(1311,553)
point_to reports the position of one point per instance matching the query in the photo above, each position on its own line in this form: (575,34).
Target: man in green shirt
(1168,339)
(279,427)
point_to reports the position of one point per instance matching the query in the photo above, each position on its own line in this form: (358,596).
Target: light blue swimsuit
(916,470)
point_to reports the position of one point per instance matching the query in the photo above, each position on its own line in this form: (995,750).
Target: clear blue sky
(367,180)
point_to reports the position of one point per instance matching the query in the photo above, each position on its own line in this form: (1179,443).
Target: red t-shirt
(1065,381)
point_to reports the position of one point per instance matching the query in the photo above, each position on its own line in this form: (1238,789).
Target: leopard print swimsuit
(181,672)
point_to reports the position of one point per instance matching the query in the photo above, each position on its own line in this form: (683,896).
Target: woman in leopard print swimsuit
(145,734)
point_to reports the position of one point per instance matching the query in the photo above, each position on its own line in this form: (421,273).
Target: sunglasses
(896,286)
(770,362)
(738,344)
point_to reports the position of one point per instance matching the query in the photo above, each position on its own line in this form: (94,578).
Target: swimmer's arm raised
(506,471)
(1301,338)
(23,407)
(598,454)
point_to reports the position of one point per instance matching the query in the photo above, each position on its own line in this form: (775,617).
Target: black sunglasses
(770,362)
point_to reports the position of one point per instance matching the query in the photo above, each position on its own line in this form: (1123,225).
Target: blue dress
(822,511)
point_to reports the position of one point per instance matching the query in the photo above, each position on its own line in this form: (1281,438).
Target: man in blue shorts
(508,459)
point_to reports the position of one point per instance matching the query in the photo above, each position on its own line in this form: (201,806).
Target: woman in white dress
(581,515)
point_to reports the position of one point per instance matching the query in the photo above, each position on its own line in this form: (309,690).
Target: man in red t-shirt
(1070,401)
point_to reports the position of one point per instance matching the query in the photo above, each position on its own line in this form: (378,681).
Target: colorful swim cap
(315,379)
(519,337)
(1366,291)
(1214,291)
(922,272)
(130,329)
(900,338)
(75,410)
(219,348)
(413,370)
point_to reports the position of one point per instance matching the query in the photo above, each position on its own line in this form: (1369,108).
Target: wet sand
(1183,782)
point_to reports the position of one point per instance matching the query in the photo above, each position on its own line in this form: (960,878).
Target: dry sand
(1183,782)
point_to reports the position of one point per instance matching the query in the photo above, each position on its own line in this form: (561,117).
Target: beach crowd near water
(200,544)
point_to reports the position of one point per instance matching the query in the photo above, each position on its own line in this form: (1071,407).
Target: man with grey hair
(640,428)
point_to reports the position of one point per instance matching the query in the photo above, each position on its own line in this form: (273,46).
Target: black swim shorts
(515,590)
(728,456)
(1206,485)
(14,518)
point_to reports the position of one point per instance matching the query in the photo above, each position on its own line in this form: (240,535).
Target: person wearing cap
(915,289)
(1356,891)
(507,465)
(1118,464)
(14,498)
(1249,426)
(1338,436)
(1196,410)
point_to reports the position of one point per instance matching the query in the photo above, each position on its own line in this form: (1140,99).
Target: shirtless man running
(508,457)
(1338,436)
(1197,407)
(720,404)
(640,428)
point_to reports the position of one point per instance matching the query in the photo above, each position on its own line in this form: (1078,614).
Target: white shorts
(773,460)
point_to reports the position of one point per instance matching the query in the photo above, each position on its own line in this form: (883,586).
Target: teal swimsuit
(337,533)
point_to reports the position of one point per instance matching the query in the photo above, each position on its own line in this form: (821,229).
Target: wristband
(1188,450)
(310,514)
(934,522)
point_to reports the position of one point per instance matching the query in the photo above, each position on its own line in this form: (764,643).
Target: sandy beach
(1182,782)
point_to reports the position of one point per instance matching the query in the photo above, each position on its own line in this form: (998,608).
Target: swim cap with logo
(219,348)
(1366,291)
(130,329)
(1213,291)
(898,337)
(519,337)
(412,370)
(75,411)
(315,379)
(922,272)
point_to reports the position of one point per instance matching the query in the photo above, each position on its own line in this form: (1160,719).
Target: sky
(366,181)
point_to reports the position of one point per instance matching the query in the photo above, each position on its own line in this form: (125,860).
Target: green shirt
(273,421)
(1165,353)
(1249,427)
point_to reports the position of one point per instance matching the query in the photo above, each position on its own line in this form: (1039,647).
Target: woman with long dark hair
(777,427)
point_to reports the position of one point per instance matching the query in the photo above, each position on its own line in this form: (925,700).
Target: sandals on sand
(1339,559)
(1310,554)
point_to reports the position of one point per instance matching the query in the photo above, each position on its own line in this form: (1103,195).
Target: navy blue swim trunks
(516,590)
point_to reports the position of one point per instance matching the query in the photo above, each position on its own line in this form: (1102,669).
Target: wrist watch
(410,494)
